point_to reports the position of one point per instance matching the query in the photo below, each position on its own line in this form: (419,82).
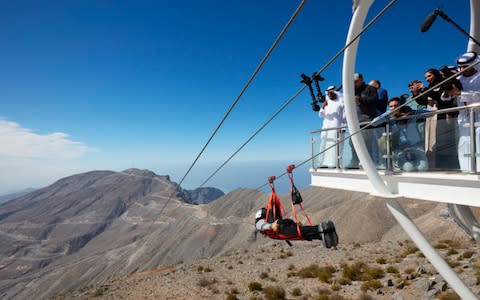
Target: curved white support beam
(361,8)
(430,253)
(474,25)
(349,61)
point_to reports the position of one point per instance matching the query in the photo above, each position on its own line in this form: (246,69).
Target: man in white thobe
(470,94)
(332,113)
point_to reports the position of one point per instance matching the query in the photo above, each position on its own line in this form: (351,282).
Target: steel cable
(297,93)
(376,120)
(252,77)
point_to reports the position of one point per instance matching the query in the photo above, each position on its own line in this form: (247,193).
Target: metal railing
(440,140)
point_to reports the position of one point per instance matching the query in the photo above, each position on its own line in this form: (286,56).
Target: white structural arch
(383,186)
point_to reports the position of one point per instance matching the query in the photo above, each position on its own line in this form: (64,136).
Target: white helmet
(259,214)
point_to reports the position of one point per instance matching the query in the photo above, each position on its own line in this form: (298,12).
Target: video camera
(308,82)
(316,78)
(319,98)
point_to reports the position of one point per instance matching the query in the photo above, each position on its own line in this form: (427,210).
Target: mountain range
(96,226)
(88,220)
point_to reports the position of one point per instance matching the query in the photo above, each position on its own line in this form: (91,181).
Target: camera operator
(332,113)
(416,87)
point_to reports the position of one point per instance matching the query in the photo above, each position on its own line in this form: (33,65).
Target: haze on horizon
(249,174)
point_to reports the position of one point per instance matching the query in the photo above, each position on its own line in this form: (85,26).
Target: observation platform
(447,187)
(443,175)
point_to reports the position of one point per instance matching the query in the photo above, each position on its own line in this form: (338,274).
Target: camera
(316,78)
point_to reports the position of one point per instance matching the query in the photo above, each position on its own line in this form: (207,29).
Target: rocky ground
(273,270)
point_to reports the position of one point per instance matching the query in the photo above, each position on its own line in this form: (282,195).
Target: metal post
(473,153)
(388,154)
(312,143)
(337,147)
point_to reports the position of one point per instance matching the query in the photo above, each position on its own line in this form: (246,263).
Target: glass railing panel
(325,144)
(341,154)
(441,144)
(315,140)
(380,157)
(407,144)
(372,138)
(349,158)
(468,132)
(432,141)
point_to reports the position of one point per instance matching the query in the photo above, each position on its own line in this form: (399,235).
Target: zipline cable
(252,77)
(256,132)
(377,119)
(297,93)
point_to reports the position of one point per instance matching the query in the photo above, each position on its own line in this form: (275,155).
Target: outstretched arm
(261,225)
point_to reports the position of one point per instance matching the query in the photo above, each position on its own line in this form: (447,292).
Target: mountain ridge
(104,224)
(57,222)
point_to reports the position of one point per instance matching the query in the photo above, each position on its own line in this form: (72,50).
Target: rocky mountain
(89,216)
(202,195)
(93,227)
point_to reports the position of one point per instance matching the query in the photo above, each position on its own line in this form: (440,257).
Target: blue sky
(90,85)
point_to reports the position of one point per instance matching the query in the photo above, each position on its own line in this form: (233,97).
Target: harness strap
(306,215)
(276,210)
(294,212)
(274,205)
(296,197)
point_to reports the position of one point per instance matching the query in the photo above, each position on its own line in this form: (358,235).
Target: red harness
(275,210)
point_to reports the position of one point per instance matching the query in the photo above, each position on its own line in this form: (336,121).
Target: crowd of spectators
(432,141)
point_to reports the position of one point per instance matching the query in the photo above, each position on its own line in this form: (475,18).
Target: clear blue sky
(89,85)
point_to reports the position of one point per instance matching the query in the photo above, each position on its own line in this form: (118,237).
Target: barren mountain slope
(379,270)
(80,227)
(144,233)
